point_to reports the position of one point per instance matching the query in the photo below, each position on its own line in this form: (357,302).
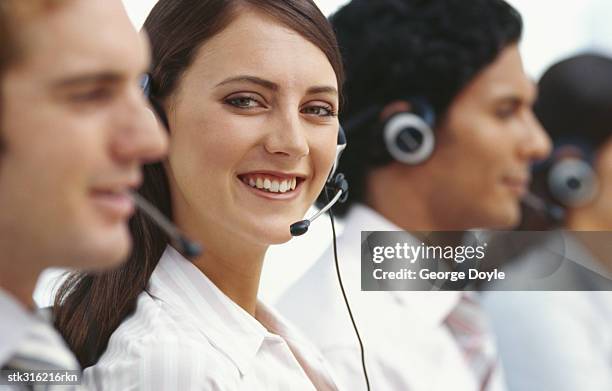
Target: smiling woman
(251,92)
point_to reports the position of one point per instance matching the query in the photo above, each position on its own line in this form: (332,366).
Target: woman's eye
(243,102)
(319,111)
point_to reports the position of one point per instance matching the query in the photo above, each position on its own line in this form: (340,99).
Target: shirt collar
(368,220)
(16,328)
(179,283)
(576,251)
(433,307)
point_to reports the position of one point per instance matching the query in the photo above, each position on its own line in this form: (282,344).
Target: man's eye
(505,112)
(96,95)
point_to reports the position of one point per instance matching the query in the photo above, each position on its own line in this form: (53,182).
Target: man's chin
(505,218)
(106,252)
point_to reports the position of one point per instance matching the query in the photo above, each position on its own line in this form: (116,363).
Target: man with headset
(441,136)
(568,335)
(74,130)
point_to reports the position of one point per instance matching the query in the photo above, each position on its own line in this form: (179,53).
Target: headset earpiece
(340,146)
(145,84)
(572,182)
(408,138)
(570,178)
(147,89)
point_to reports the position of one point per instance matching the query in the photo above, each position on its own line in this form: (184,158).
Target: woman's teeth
(270,184)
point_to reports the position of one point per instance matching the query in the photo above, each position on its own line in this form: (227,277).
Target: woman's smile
(273,185)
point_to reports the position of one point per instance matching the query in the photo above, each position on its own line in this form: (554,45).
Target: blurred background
(554,29)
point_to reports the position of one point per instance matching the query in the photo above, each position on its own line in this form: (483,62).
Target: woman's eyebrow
(273,86)
(322,89)
(251,79)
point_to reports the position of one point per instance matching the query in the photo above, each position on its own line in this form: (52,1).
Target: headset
(407,136)
(569,180)
(337,183)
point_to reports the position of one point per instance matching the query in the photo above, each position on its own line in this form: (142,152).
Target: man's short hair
(396,49)
(13,12)
(575,100)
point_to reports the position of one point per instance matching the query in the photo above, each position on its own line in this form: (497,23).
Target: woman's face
(253,132)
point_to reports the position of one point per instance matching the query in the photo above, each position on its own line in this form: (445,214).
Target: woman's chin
(272,233)
(278,235)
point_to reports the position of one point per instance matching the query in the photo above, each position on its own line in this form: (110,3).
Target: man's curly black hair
(394,49)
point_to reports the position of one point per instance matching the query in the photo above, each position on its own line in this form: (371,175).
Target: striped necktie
(470,327)
(42,349)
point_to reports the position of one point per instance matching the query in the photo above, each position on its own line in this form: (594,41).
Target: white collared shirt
(557,340)
(29,341)
(186,334)
(14,325)
(407,344)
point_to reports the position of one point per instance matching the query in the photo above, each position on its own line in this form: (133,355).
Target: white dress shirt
(557,341)
(16,321)
(28,341)
(407,344)
(186,334)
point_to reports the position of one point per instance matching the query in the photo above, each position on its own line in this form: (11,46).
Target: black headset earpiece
(571,180)
(340,147)
(409,137)
(147,89)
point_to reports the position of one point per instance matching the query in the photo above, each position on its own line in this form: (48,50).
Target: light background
(554,29)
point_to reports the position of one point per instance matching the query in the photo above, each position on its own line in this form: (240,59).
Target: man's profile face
(486,143)
(602,205)
(75,130)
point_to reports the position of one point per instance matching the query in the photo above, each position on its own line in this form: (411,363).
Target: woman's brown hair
(89,307)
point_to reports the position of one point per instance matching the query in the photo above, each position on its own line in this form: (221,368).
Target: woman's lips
(272,186)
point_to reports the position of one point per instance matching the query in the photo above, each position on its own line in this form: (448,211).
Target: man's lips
(114,199)
(518,185)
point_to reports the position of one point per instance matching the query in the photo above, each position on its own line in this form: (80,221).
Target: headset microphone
(340,185)
(337,183)
(184,245)
(554,212)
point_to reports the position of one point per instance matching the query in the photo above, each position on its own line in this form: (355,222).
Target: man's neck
(598,244)
(593,231)
(21,289)
(18,276)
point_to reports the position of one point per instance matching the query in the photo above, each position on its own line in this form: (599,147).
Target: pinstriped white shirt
(29,342)
(188,335)
(14,325)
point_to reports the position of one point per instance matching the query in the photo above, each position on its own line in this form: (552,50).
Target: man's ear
(398,106)
(603,155)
